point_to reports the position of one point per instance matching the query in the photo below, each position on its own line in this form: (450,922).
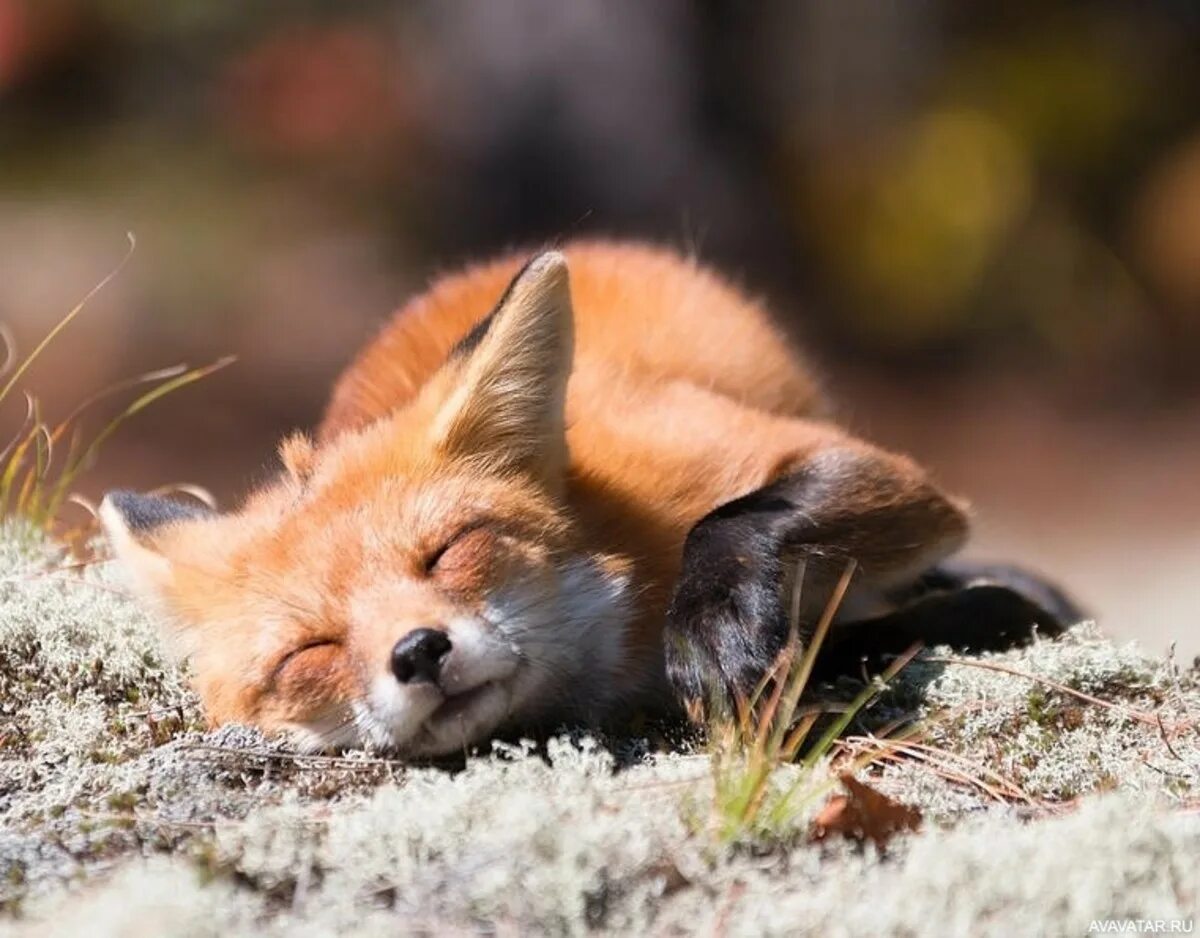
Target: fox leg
(1057,610)
(737,594)
(966,606)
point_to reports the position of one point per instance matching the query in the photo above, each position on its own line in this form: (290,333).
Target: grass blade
(71,472)
(65,321)
(35,482)
(160,374)
(10,349)
(30,405)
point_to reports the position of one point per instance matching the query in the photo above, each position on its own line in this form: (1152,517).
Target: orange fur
(680,395)
(684,395)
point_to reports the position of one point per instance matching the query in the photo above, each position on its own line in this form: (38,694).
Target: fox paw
(727,621)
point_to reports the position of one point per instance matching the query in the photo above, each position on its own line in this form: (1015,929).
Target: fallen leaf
(864,813)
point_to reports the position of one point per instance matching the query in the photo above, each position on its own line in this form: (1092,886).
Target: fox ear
(506,407)
(132,523)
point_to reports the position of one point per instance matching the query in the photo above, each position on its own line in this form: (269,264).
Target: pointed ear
(506,406)
(132,523)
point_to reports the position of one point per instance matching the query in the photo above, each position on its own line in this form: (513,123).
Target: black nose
(418,656)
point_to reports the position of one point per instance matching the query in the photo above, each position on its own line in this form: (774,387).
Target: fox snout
(417,658)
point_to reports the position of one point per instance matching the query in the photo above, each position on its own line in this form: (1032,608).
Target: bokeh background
(985,218)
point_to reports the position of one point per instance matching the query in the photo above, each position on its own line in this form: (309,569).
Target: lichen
(120,815)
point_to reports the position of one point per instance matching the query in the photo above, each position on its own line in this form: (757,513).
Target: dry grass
(43,460)
(768,732)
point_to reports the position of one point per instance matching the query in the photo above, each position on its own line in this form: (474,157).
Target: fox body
(552,490)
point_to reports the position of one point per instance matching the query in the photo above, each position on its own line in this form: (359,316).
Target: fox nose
(418,656)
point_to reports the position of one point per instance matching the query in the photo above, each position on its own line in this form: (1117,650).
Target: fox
(558,488)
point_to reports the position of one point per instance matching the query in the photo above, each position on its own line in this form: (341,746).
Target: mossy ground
(120,816)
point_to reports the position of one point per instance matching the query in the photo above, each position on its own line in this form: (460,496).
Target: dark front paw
(727,621)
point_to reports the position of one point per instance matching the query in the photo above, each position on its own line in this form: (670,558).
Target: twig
(1140,715)
(948,773)
(143,819)
(1162,733)
(1014,789)
(957,769)
(721,925)
(177,709)
(1165,772)
(273,755)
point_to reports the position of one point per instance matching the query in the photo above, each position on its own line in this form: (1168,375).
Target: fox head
(415,585)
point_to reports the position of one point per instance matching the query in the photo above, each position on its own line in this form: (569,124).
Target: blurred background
(984,217)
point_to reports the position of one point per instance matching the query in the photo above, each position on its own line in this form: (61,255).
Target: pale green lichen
(118,816)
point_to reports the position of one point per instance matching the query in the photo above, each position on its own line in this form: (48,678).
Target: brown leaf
(864,813)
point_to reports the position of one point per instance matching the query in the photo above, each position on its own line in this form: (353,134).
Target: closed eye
(291,656)
(436,557)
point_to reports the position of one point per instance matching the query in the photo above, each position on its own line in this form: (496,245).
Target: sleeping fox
(555,490)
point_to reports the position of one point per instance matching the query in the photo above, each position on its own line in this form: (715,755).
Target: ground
(1058,787)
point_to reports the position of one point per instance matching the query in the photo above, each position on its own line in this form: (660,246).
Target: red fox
(551,492)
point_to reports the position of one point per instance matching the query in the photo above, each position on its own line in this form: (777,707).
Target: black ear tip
(146,512)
